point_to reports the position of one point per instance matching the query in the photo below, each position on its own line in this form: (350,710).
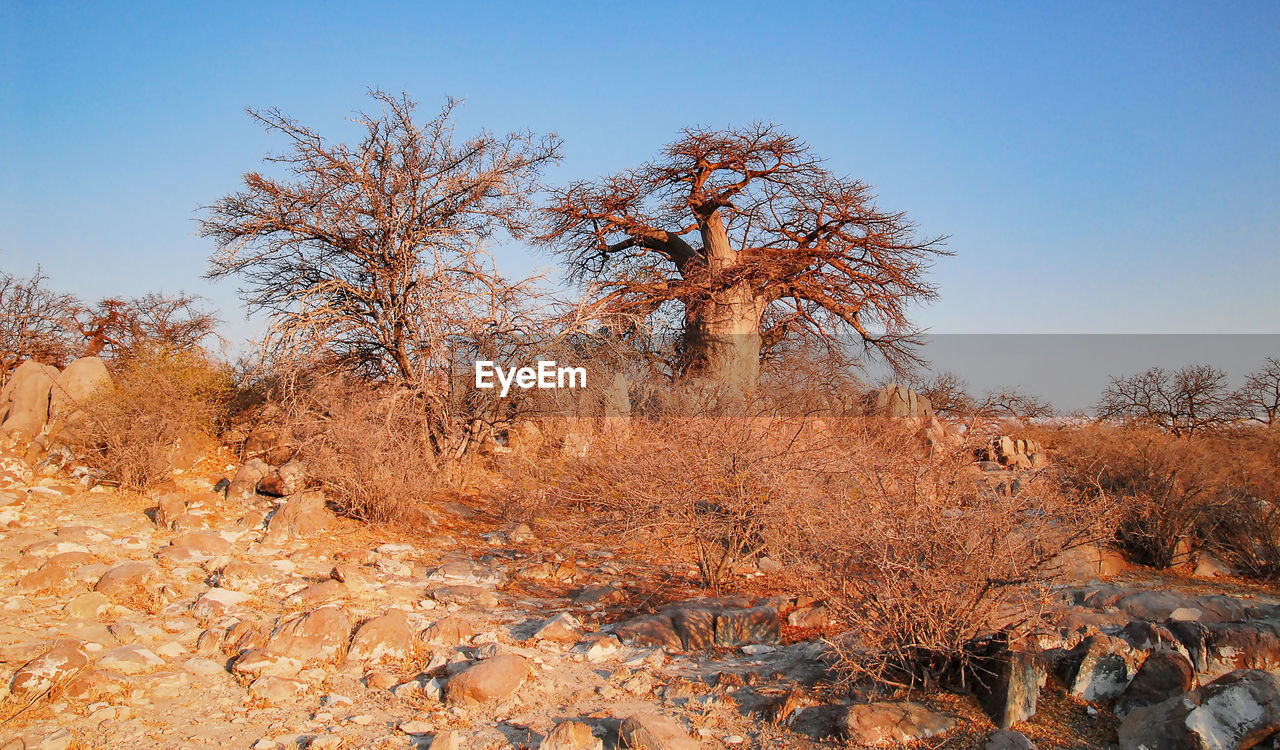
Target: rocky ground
(203,615)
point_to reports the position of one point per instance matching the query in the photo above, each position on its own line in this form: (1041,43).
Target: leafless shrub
(916,556)
(118,327)
(35,323)
(367,445)
(163,407)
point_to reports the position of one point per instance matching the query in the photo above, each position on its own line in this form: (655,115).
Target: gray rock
(1234,712)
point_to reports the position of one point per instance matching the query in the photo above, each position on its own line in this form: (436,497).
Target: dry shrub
(914,554)
(1216,489)
(1246,524)
(366,444)
(161,411)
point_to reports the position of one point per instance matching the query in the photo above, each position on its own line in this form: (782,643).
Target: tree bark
(722,332)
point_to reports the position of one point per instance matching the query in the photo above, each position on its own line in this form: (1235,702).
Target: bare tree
(118,326)
(35,322)
(746,237)
(1259,397)
(1183,402)
(373,251)
(371,256)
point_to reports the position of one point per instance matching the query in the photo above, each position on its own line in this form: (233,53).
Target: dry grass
(162,410)
(916,556)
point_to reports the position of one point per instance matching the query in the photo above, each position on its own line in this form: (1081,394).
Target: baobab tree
(749,238)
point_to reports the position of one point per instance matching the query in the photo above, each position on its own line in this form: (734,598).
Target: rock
(1099,668)
(124,580)
(695,626)
(318,635)
(169,507)
(652,731)
(600,594)
(275,689)
(465,594)
(446,741)
(255,662)
(92,684)
(382,638)
(450,631)
(649,630)
(216,602)
(896,400)
(198,546)
(24,400)
(1007,681)
(812,616)
(72,389)
(1209,566)
(571,735)
(1088,561)
(879,724)
(129,660)
(246,576)
(1234,712)
(416,727)
(87,606)
(488,681)
(302,516)
(563,628)
(1007,739)
(244,486)
(52,668)
(1165,674)
(737,627)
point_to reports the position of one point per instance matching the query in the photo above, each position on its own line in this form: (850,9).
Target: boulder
(649,630)
(50,669)
(449,631)
(488,681)
(124,580)
(72,389)
(1165,674)
(899,401)
(653,731)
(571,735)
(563,628)
(169,507)
(1099,668)
(319,635)
(382,638)
(244,486)
(24,401)
(1234,712)
(881,724)
(1007,739)
(739,627)
(302,516)
(1007,680)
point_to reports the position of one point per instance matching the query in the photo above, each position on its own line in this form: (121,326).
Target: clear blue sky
(1108,167)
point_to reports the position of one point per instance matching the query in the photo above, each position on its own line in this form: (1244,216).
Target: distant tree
(117,327)
(746,237)
(948,394)
(373,252)
(1185,401)
(1259,398)
(35,322)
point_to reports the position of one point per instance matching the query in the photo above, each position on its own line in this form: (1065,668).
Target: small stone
(416,727)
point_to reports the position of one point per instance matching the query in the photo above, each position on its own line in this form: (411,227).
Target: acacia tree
(1184,401)
(751,239)
(120,326)
(1259,397)
(373,252)
(35,322)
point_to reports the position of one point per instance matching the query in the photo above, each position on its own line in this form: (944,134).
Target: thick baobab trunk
(722,332)
(722,337)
